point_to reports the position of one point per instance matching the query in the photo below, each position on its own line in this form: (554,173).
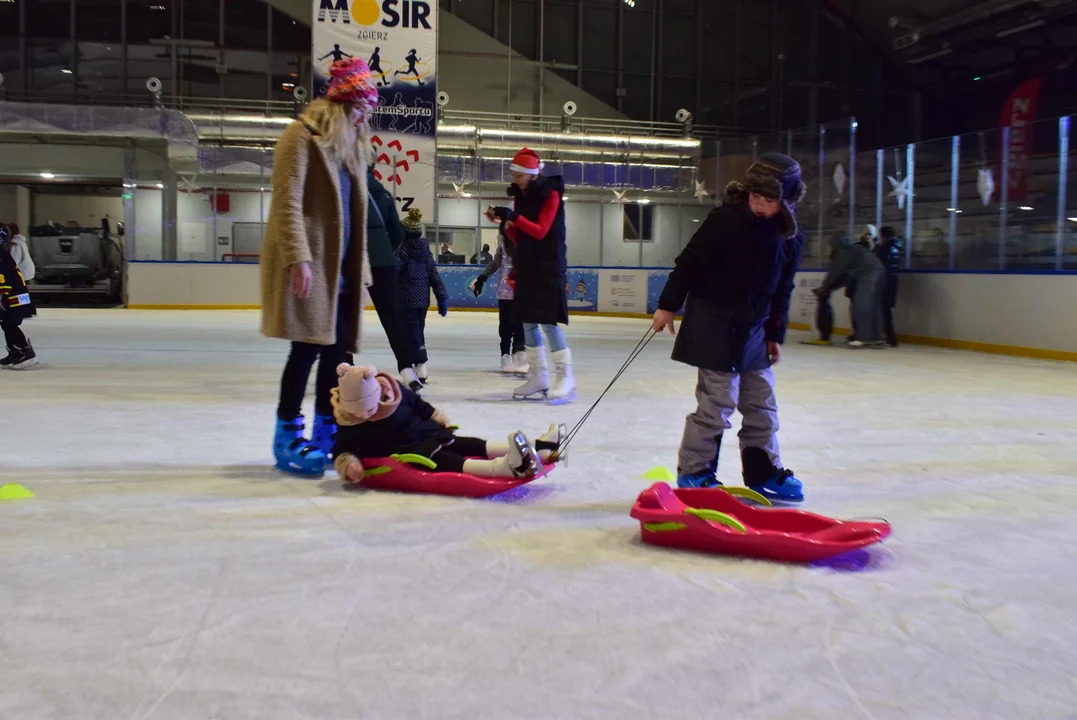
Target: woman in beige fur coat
(314,262)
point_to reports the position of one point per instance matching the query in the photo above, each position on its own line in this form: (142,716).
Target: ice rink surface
(165,570)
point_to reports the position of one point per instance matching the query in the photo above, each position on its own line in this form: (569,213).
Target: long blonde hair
(348,144)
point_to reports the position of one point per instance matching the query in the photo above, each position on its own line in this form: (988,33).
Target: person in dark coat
(737,275)
(418,275)
(859,264)
(378,418)
(482,258)
(536,224)
(889,252)
(865,241)
(15,306)
(385,233)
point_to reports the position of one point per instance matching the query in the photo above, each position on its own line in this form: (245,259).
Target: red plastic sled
(399,474)
(714,521)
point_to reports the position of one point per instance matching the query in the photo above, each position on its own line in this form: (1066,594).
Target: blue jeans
(554,335)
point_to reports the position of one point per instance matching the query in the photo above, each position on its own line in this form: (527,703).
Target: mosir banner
(398,39)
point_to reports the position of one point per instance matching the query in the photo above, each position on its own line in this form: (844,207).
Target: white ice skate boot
(522,459)
(410,380)
(538,381)
(422,373)
(519,361)
(507,365)
(564,386)
(550,445)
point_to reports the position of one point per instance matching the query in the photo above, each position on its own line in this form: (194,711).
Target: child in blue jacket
(418,274)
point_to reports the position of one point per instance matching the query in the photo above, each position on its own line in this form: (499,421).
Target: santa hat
(527,162)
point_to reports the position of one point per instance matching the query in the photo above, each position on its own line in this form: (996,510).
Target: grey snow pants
(718,396)
(868,309)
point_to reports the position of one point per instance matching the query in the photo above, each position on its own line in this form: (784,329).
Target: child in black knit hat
(737,276)
(418,274)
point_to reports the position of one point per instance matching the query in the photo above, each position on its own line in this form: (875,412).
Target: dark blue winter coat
(737,275)
(418,273)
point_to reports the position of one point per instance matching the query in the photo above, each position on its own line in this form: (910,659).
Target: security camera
(569,108)
(684,116)
(443,98)
(154,85)
(299,93)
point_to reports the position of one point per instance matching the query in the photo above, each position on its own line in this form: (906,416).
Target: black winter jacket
(889,254)
(418,274)
(408,430)
(737,275)
(385,232)
(541,264)
(14,295)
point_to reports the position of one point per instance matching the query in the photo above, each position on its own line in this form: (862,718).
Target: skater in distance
(735,280)
(536,224)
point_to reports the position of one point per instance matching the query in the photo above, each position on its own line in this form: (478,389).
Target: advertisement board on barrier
(623,291)
(398,39)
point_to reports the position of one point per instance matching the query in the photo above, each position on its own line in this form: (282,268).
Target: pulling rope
(644,341)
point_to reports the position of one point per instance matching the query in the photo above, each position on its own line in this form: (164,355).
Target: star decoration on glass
(839,178)
(901,189)
(458,188)
(619,196)
(985,185)
(701,190)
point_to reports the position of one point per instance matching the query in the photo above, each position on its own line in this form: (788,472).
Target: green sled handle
(743,493)
(718,517)
(407,459)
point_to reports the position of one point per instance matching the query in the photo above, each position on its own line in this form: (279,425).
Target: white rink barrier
(1005,313)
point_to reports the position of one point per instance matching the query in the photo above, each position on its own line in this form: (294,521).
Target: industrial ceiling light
(47,175)
(630,3)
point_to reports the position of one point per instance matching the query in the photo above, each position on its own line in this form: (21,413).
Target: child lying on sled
(377,417)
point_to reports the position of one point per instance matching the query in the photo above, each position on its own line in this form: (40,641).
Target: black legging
(12,334)
(451,457)
(510,329)
(890,291)
(293,384)
(383,294)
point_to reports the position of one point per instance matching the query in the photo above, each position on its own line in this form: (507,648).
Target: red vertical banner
(1019,114)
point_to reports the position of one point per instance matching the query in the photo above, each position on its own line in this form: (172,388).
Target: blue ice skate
(294,453)
(324,435)
(783,487)
(705,479)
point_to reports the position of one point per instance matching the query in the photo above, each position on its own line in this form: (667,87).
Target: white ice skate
(564,386)
(522,459)
(410,380)
(537,386)
(422,372)
(507,365)
(555,436)
(519,361)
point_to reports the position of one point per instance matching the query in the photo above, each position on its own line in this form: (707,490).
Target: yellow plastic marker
(660,474)
(15,492)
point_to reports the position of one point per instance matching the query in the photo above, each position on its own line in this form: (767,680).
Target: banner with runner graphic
(398,39)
